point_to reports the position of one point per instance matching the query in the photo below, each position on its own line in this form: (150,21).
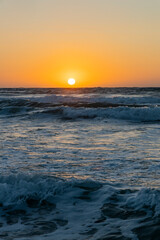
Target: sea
(80,164)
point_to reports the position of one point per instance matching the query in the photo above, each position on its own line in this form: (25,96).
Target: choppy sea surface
(80,164)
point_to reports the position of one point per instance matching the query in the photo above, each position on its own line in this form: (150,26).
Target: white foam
(126,113)
(73,205)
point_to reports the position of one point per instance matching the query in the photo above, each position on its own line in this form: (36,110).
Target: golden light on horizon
(59,42)
(71,81)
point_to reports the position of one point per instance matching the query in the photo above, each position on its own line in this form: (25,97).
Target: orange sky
(100,43)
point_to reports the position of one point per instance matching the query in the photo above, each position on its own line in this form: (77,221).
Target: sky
(100,43)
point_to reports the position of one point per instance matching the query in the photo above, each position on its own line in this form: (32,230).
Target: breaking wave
(33,206)
(64,107)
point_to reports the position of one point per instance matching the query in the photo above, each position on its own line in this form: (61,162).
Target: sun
(71,81)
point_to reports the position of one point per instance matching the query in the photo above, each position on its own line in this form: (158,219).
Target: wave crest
(46,206)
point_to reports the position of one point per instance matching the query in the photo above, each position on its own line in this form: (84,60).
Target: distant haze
(105,43)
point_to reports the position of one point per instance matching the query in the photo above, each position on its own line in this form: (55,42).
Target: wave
(81,100)
(133,100)
(33,206)
(64,107)
(124,113)
(143,114)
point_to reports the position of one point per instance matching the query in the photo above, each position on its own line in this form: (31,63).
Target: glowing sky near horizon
(102,43)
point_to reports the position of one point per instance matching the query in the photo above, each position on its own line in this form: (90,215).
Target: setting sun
(71,81)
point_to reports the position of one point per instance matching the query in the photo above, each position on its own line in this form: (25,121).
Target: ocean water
(80,164)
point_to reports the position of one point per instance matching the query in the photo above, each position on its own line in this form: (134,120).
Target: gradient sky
(106,43)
